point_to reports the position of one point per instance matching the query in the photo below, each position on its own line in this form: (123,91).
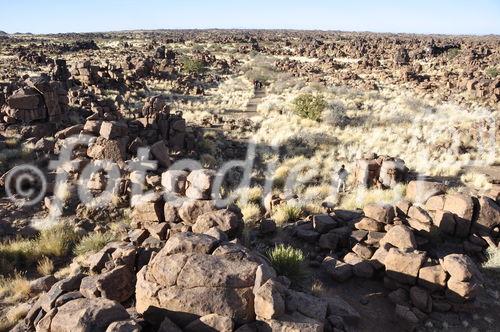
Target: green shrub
(309,106)
(288,262)
(192,66)
(492,72)
(452,52)
(94,242)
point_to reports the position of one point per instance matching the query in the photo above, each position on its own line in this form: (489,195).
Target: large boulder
(432,277)
(293,323)
(85,315)
(225,220)
(462,206)
(403,265)
(174,181)
(369,224)
(489,215)
(420,191)
(459,266)
(381,213)
(270,300)
(117,284)
(184,282)
(199,184)
(400,236)
(210,323)
(192,209)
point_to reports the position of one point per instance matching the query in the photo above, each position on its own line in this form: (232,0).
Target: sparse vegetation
(360,197)
(45,266)
(492,72)
(309,106)
(16,287)
(452,52)
(192,66)
(53,242)
(289,262)
(94,242)
(492,262)
(335,114)
(14,315)
(252,194)
(251,213)
(286,212)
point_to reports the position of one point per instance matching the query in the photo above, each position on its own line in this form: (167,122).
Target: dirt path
(251,108)
(259,94)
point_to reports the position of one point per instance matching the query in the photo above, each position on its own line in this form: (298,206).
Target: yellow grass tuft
(45,266)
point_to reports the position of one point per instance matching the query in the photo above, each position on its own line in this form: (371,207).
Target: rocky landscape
(188,180)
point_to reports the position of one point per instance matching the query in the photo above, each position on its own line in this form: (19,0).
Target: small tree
(309,106)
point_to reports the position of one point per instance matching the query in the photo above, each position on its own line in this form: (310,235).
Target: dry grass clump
(492,262)
(53,242)
(94,242)
(15,288)
(13,316)
(317,288)
(251,194)
(251,213)
(476,180)
(45,266)
(287,212)
(359,197)
(56,241)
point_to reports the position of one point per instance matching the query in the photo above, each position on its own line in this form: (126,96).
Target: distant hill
(3,33)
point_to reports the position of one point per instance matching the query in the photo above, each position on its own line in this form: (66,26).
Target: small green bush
(452,52)
(492,72)
(288,262)
(192,66)
(309,106)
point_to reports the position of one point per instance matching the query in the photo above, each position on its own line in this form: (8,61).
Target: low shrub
(309,106)
(492,72)
(288,262)
(192,66)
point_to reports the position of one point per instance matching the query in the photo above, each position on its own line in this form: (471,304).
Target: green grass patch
(288,262)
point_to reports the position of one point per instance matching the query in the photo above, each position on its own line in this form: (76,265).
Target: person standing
(342,179)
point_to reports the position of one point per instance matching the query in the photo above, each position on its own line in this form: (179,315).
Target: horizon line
(256,29)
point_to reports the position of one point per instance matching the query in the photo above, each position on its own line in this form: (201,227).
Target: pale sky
(412,16)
